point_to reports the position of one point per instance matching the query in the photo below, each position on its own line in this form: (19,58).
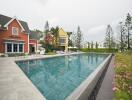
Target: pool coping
(47,56)
(17,75)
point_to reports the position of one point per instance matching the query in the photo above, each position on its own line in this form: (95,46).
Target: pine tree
(109,40)
(46,28)
(73,38)
(128,23)
(88,45)
(92,45)
(79,37)
(122,37)
(96,45)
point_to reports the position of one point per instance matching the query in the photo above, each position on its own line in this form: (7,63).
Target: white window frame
(13,31)
(13,47)
(22,48)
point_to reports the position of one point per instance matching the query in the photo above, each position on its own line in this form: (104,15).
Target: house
(14,35)
(62,40)
(33,45)
(34,37)
(49,38)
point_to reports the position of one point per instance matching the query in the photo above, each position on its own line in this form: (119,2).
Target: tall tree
(109,39)
(55,31)
(128,23)
(79,37)
(88,44)
(92,45)
(73,39)
(96,45)
(69,39)
(46,28)
(122,40)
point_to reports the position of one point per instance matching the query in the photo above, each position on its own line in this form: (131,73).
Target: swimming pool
(57,77)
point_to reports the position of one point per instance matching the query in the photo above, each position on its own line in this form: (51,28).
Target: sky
(92,16)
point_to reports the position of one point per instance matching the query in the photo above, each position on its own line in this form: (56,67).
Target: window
(62,40)
(20,47)
(9,47)
(15,46)
(14,31)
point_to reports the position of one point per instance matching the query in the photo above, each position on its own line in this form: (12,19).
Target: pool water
(57,77)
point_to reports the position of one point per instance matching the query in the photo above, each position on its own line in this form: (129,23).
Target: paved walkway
(105,92)
(14,85)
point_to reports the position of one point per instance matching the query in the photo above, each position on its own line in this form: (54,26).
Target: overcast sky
(91,15)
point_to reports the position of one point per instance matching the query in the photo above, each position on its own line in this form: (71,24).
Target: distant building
(14,35)
(62,40)
(34,39)
(49,38)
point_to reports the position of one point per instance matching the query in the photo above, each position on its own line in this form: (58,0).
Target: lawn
(123,76)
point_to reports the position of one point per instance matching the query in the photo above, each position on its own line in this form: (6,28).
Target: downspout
(28,43)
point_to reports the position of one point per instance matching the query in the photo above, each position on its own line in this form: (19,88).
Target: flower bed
(123,76)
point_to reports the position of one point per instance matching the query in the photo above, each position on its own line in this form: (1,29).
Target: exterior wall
(63,34)
(34,42)
(7,34)
(49,39)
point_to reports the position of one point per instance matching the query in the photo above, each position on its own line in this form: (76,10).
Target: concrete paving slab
(14,85)
(106,92)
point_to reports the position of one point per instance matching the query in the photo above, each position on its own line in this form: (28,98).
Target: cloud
(43,2)
(95,34)
(54,20)
(97,30)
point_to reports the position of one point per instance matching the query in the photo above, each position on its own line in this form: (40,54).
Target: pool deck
(106,92)
(14,85)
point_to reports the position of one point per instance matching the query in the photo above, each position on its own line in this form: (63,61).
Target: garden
(123,76)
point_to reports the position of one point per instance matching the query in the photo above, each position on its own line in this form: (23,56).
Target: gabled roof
(35,35)
(62,32)
(5,20)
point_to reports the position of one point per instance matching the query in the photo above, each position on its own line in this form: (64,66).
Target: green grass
(104,50)
(123,76)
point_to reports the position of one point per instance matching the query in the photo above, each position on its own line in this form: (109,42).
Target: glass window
(9,47)
(15,46)
(15,31)
(20,47)
(62,40)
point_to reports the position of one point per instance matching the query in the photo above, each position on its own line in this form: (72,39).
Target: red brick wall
(7,34)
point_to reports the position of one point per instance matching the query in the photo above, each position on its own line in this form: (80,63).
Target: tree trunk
(128,40)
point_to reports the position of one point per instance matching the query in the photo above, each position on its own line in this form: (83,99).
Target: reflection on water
(57,77)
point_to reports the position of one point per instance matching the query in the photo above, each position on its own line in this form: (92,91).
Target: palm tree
(54,32)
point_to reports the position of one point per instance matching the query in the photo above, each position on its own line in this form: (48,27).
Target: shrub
(16,54)
(105,50)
